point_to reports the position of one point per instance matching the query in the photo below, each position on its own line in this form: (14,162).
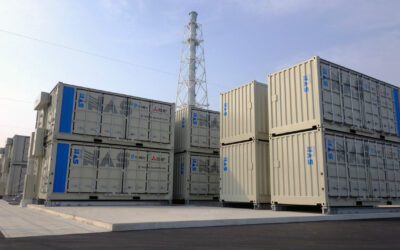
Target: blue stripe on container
(66,109)
(60,174)
(397,109)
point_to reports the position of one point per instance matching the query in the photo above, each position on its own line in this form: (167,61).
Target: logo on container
(75,157)
(194,161)
(183,122)
(225,164)
(225,109)
(306,83)
(194,118)
(324,76)
(330,147)
(81,100)
(310,155)
(182,167)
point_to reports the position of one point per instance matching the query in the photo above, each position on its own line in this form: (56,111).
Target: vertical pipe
(192,58)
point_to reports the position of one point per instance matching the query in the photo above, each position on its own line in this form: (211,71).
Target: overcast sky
(244,40)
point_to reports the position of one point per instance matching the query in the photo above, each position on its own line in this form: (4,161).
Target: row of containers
(330,138)
(92,145)
(13,162)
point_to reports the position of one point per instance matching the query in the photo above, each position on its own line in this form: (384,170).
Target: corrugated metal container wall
(20,146)
(83,114)
(15,180)
(245,172)
(78,171)
(196,129)
(244,113)
(318,93)
(333,169)
(196,176)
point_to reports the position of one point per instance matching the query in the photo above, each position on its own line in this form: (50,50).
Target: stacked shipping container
(196,167)
(334,136)
(13,165)
(244,145)
(96,145)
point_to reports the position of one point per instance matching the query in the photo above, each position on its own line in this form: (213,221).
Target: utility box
(77,171)
(196,130)
(245,173)
(90,115)
(330,168)
(196,176)
(19,152)
(320,94)
(244,113)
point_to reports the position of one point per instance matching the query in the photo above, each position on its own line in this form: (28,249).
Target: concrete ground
(22,222)
(124,218)
(366,234)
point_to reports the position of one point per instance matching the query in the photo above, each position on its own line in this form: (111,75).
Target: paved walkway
(21,222)
(158,217)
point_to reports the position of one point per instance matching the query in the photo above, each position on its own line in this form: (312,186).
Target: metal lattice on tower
(192,84)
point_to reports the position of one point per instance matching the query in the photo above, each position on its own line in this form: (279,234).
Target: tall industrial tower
(192,85)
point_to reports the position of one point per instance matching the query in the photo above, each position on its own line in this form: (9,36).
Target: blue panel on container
(60,174)
(397,109)
(66,109)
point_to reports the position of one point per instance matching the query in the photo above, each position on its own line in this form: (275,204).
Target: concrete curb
(92,222)
(214,222)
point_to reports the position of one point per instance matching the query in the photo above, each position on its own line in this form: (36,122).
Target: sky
(134,46)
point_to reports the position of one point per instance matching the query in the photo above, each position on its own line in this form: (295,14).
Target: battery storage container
(196,130)
(196,176)
(320,94)
(330,168)
(245,172)
(76,113)
(76,171)
(244,113)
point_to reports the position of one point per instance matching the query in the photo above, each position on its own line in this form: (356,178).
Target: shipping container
(330,168)
(244,113)
(89,171)
(196,130)
(19,151)
(15,180)
(82,114)
(245,173)
(196,176)
(318,93)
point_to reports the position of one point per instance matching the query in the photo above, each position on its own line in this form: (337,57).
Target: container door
(371,106)
(199,175)
(351,99)
(331,94)
(138,120)
(109,175)
(135,171)
(160,122)
(200,129)
(88,107)
(336,166)
(214,130)
(113,118)
(391,163)
(357,157)
(386,108)
(82,169)
(213,176)
(377,170)
(157,173)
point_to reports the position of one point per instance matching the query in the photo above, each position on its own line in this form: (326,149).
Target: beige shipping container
(244,113)
(333,169)
(196,130)
(76,171)
(245,173)
(77,113)
(196,176)
(317,93)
